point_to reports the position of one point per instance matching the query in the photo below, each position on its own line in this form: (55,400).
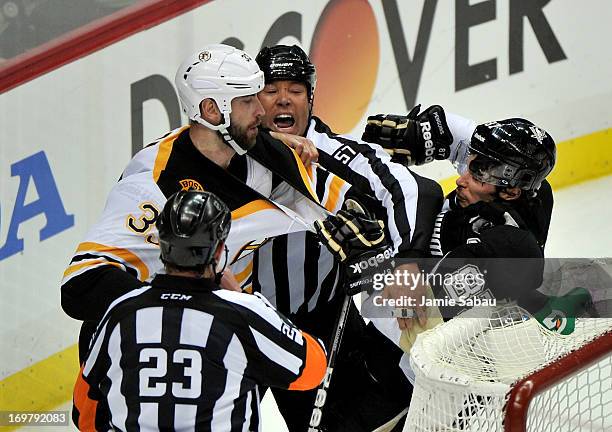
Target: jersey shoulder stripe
(80,266)
(335,192)
(163,153)
(116,254)
(147,159)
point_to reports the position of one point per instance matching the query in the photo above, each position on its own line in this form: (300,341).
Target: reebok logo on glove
(372,261)
(428,143)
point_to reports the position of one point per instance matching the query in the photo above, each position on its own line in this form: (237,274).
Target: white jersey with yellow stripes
(125,234)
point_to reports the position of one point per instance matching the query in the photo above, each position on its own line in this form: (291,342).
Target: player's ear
(210,112)
(510,194)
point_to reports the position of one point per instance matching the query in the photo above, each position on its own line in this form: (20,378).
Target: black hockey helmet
(512,153)
(283,62)
(191,226)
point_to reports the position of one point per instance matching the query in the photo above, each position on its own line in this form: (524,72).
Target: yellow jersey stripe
(165,148)
(252,207)
(333,195)
(124,254)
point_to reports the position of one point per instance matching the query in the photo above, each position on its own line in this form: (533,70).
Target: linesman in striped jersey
(184,354)
(302,279)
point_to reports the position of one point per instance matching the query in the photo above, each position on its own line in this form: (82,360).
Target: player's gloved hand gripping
(358,241)
(483,215)
(350,232)
(456,227)
(412,139)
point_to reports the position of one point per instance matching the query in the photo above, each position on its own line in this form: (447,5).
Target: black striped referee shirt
(183,354)
(295,272)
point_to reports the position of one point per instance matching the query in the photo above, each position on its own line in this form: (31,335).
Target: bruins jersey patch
(190,184)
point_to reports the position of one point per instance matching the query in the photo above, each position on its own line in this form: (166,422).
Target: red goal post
(528,388)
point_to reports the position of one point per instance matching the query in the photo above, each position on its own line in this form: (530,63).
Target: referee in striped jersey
(183,354)
(302,279)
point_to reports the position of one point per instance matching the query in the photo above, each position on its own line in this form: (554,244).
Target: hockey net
(508,373)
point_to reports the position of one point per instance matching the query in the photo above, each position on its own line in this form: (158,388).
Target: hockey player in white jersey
(217,87)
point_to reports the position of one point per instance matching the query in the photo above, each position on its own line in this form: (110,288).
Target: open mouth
(284,121)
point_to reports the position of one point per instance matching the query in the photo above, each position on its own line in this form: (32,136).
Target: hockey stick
(321,396)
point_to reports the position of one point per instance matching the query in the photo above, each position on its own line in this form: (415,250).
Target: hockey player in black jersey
(184,354)
(303,278)
(500,209)
(503,171)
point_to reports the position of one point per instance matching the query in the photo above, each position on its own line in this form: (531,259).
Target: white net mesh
(582,402)
(466,367)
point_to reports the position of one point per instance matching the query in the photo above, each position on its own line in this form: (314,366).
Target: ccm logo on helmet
(429,146)
(175,296)
(373,261)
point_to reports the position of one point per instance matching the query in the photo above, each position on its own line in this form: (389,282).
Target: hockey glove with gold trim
(412,139)
(349,233)
(357,241)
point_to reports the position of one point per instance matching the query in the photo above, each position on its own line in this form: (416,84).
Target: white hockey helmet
(219,72)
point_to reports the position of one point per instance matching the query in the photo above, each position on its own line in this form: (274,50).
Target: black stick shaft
(320,398)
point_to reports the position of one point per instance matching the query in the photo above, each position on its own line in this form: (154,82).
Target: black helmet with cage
(284,62)
(191,227)
(512,153)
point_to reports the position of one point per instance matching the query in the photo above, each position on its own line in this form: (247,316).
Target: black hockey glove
(456,227)
(349,233)
(412,139)
(361,269)
(358,242)
(483,215)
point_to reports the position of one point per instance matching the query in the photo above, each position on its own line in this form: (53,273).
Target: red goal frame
(525,390)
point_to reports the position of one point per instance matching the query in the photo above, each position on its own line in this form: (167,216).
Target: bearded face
(245,119)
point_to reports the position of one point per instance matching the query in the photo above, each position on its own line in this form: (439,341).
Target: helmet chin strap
(229,140)
(219,275)
(223,131)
